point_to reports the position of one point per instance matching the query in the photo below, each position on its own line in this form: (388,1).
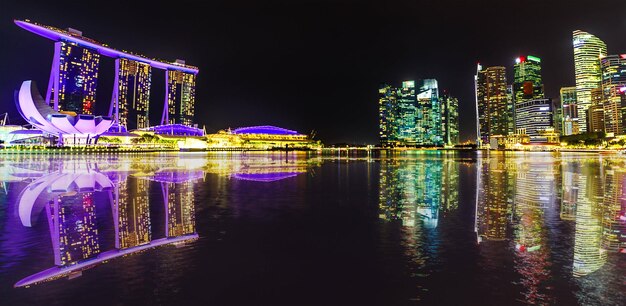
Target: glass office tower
(493,111)
(588,50)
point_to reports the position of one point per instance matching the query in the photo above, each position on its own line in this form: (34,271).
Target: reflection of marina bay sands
(70,196)
(71,90)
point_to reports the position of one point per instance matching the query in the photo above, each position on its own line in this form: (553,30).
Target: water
(415,228)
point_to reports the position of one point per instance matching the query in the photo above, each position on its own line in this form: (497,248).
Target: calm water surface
(416,228)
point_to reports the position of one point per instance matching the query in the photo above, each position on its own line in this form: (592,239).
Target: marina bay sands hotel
(73,80)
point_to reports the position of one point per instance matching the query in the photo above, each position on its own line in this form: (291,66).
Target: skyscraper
(132,94)
(588,50)
(527,83)
(74,89)
(532,117)
(450,119)
(595,112)
(387,111)
(613,88)
(410,115)
(493,112)
(429,114)
(181,95)
(406,117)
(569,111)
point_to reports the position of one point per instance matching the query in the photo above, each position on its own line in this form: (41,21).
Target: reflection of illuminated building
(613,221)
(570,191)
(70,195)
(588,253)
(450,186)
(410,191)
(534,198)
(75,227)
(492,200)
(133,213)
(180,207)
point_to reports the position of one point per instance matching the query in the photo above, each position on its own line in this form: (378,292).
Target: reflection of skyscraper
(133,93)
(588,50)
(534,199)
(410,191)
(74,88)
(589,255)
(73,221)
(569,198)
(493,111)
(180,206)
(492,201)
(133,213)
(613,224)
(181,96)
(450,185)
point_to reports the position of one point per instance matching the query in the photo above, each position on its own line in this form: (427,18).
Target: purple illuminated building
(73,80)
(264,129)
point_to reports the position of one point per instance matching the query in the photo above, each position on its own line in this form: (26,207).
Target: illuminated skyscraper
(132,92)
(493,111)
(527,83)
(450,119)
(569,111)
(410,115)
(406,118)
(387,112)
(613,93)
(181,96)
(534,116)
(75,78)
(588,50)
(429,113)
(595,112)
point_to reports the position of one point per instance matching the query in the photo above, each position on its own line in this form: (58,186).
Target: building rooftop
(75,36)
(264,129)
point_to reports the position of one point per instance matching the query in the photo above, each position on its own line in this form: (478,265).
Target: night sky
(312,65)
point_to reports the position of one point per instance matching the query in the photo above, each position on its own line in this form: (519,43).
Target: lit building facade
(569,111)
(131,97)
(73,81)
(527,82)
(588,50)
(595,112)
(410,115)
(75,78)
(613,88)
(450,119)
(181,97)
(387,111)
(532,117)
(494,114)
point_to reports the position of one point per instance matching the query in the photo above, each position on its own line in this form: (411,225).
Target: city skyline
(267,72)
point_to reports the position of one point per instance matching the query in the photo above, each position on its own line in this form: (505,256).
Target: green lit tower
(429,111)
(410,115)
(588,50)
(527,83)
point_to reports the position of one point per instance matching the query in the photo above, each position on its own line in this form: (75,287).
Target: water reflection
(72,194)
(524,205)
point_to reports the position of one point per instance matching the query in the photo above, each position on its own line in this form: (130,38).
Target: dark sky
(312,65)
